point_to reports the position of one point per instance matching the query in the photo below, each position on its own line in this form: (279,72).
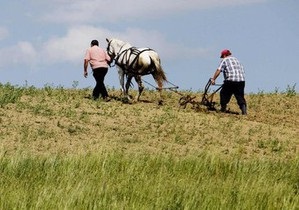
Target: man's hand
(85,74)
(212,81)
(216,74)
(109,62)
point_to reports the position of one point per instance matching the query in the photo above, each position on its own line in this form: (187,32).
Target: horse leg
(121,76)
(140,86)
(160,87)
(128,83)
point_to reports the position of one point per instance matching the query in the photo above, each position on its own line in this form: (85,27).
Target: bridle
(113,55)
(108,49)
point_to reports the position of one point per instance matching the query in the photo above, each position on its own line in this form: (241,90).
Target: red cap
(225,52)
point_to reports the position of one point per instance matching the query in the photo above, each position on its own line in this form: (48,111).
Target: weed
(179,140)
(75,84)
(291,90)
(261,144)
(276,146)
(9,94)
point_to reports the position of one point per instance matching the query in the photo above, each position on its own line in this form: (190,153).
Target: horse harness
(123,61)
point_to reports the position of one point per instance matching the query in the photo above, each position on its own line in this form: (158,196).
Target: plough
(206,100)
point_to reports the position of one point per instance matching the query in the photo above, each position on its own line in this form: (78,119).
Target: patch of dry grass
(62,121)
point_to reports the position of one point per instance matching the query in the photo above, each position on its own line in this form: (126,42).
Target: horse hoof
(125,100)
(160,102)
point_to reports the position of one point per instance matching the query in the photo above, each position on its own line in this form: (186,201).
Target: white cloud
(155,40)
(23,53)
(3,33)
(72,46)
(78,11)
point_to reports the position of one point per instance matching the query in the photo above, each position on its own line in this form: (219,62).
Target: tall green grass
(120,181)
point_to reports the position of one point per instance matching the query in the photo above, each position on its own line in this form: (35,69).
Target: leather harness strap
(123,59)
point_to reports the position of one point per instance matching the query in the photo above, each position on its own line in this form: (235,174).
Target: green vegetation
(119,181)
(60,150)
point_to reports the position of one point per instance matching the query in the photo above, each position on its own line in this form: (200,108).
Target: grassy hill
(160,157)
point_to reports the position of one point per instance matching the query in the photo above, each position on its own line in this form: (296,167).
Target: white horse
(135,62)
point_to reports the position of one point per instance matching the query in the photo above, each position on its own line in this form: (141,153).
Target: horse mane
(119,42)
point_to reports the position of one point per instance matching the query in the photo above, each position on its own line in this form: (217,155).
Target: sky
(44,42)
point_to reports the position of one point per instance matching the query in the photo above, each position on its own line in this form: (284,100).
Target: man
(98,60)
(234,81)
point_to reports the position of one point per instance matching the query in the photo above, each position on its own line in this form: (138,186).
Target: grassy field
(61,150)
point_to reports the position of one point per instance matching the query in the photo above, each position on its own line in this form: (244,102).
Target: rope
(168,88)
(149,84)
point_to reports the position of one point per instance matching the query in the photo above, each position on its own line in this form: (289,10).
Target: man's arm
(216,74)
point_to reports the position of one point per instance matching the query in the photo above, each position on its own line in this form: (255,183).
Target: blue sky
(43,42)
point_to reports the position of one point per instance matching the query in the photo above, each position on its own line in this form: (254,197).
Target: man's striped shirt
(232,69)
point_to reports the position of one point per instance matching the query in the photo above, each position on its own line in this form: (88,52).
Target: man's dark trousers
(230,88)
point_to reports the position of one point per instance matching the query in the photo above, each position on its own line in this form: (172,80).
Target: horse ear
(107,39)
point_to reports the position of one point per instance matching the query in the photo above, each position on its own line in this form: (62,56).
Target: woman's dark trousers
(100,89)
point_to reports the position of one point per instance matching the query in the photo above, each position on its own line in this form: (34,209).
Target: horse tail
(158,73)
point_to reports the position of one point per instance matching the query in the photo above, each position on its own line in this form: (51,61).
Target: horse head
(116,46)
(110,48)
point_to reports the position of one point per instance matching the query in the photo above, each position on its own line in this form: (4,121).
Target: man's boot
(244,109)
(223,108)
